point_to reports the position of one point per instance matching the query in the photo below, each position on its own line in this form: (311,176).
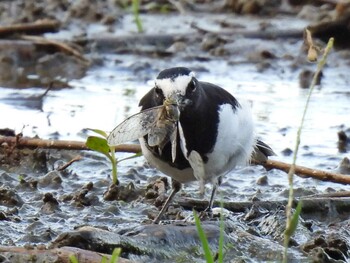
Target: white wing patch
(197,165)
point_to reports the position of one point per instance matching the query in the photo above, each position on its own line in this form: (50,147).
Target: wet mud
(254,49)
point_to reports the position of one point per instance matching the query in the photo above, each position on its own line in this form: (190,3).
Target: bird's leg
(212,197)
(176,186)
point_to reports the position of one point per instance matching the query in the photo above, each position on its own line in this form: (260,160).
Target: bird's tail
(262,151)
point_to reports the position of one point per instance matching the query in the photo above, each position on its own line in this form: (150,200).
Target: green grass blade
(115,255)
(135,9)
(320,66)
(294,221)
(205,244)
(222,235)
(73,259)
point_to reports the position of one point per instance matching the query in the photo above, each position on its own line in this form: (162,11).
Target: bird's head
(178,85)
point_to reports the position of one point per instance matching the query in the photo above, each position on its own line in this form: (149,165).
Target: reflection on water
(109,94)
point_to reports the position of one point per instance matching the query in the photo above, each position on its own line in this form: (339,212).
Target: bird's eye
(158,91)
(191,86)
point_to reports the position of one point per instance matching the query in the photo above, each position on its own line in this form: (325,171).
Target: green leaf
(98,144)
(294,221)
(100,132)
(205,244)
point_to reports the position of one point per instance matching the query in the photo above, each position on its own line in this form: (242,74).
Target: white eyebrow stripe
(176,85)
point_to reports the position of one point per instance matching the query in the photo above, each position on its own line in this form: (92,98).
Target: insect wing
(156,136)
(134,127)
(160,134)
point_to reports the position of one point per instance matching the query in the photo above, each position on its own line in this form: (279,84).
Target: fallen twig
(63,47)
(38,27)
(310,203)
(135,148)
(61,145)
(76,158)
(308,172)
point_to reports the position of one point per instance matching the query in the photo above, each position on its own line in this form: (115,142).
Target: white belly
(182,176)
(234,146)
(235,141)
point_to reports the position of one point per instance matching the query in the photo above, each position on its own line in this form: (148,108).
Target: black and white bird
(215,131)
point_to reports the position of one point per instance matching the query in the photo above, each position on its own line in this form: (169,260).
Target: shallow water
(110,92)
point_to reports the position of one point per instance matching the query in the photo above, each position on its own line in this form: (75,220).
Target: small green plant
(219,257)
(222,236)
(73,259)
(202,236)
(135,10)
(99,144)
(114,258)
(292,220)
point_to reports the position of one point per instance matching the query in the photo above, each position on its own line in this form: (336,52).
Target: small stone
(262,180)
(287,152)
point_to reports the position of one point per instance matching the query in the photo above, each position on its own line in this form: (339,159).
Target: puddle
(110,92)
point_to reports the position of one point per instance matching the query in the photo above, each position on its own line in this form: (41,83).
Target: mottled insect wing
(134,127)
(156,136)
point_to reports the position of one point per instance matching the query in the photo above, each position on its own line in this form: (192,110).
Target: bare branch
(135,148)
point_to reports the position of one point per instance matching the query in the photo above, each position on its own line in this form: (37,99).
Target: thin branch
(61,46)
(38,27)
(307,172)
(135,148)
(320,202)
(75,159)
(61,145)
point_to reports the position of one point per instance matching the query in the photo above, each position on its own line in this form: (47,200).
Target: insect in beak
(179,100)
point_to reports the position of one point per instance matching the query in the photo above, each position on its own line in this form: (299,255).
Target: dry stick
(62,145)
(75,159)
(38,27)
(311,204)
(307,172)
(135,148)
(57,44)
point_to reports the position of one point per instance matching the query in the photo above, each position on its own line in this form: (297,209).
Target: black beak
(180,100)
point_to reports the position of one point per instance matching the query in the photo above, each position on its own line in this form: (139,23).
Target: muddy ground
(252,48)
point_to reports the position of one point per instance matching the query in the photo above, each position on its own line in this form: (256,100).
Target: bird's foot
(206,214)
